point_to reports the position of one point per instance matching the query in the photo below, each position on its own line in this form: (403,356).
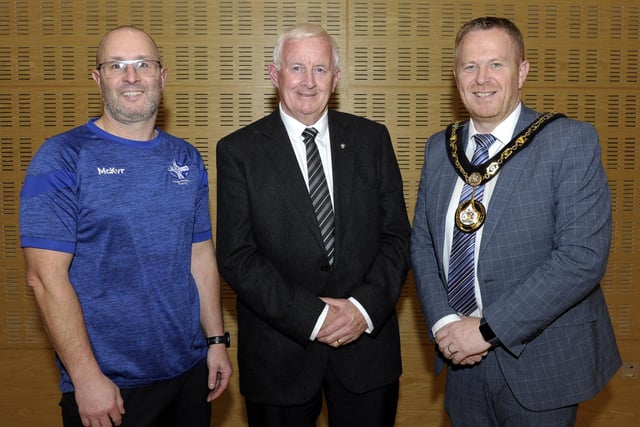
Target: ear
(163,77)
(273,74)
(522,73)
(95,75)
(336,79)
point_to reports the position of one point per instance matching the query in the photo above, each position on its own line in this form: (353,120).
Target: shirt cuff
(325,311)
(319,323)
(444,322)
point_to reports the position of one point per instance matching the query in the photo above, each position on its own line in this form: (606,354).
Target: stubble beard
(119,113)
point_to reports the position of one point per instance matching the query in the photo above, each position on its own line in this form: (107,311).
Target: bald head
(114,43)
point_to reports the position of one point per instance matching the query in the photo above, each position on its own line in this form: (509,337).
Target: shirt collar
(504,131)
(295,128)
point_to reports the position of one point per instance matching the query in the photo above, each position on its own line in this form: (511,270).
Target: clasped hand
(344,323)
(461,341)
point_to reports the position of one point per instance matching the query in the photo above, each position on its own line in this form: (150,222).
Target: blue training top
(129,211)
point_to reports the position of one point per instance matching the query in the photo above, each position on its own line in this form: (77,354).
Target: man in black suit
(316,294)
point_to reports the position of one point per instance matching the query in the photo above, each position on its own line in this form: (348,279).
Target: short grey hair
(305,31)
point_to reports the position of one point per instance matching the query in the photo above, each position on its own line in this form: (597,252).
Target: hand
(461,341)
(344,323)
(99,402)
(472,360)
(219,370)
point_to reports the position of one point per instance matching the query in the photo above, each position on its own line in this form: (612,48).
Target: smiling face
(305,78)
(130,97)
(489,73)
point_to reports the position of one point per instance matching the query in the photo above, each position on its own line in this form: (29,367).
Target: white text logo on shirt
(111,171)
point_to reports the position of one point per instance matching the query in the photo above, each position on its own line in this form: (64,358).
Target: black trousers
(175,403)
(376,408)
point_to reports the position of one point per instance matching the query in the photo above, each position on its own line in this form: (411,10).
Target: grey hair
(305,31)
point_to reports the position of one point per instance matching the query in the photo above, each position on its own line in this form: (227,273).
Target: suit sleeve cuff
(364,314)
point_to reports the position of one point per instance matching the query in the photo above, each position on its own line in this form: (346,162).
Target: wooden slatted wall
(397,58)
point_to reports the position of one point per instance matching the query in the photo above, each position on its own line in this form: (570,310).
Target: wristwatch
(220,339)
(488,334)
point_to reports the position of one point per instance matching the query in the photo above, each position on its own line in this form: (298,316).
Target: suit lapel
(278,149)
(506,182)
(443,182)
(342,158)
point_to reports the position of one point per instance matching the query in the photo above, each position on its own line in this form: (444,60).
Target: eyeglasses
(144,67)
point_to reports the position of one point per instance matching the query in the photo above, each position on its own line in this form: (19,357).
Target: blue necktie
(319,192)
(460,286)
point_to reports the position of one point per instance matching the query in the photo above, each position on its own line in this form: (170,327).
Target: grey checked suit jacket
(544,249)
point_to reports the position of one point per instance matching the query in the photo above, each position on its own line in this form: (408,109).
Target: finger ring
(338,341)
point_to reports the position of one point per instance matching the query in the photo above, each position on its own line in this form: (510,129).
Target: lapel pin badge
(343,146)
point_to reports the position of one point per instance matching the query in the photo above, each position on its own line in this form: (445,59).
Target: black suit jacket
(270,252)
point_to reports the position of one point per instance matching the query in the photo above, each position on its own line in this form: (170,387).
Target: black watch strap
(487,333)
(220,339)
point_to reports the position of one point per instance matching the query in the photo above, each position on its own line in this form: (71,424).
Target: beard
(121,114)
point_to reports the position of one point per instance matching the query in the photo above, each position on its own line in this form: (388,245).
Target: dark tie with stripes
(460,283)
(319,192)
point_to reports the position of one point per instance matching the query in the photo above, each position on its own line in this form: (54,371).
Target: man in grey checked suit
(537,340)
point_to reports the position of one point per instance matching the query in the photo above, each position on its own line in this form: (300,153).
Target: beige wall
(397,58)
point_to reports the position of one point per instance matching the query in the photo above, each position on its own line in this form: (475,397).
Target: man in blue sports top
(115,226)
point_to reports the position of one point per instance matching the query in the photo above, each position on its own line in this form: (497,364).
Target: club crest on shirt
(180,172)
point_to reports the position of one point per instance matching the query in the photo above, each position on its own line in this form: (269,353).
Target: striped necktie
(319,192)
(460,283)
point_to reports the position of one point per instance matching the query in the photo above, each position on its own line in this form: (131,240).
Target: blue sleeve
(202,220)
(48,202)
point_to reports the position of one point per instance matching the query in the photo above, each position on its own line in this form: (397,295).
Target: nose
(130,73)
(309,79)
(482,75)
